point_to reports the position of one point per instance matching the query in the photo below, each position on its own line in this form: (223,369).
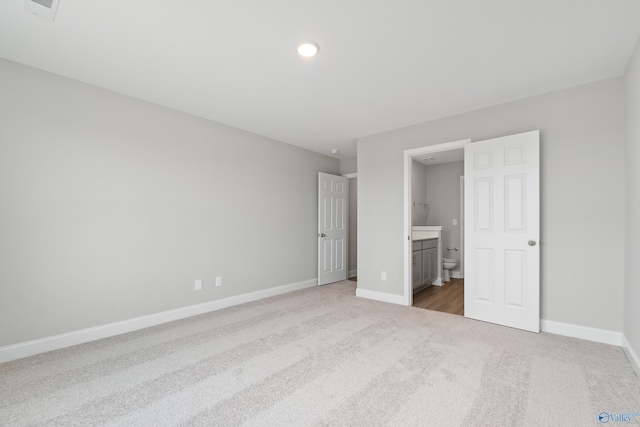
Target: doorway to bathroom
(502,231)
(436,200)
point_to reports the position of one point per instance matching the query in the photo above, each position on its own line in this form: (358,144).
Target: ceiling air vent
(43,8)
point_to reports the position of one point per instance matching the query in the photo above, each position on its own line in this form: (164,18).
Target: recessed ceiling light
(334,151)
(428,158)
(308,49)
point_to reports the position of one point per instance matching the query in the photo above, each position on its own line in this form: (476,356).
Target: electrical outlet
(219,281)
(199,285)
(383,275)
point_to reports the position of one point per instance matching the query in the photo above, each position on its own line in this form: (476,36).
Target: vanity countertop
(424,232)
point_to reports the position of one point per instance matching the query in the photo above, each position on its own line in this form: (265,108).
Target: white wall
(443,195)
(582,196)
(111,207)
(418,193)
(632,244)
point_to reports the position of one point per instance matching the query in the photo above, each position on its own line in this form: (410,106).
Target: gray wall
(348,166)
(443,195)
(111,207)
(582,196)
(418,193)
(632,246)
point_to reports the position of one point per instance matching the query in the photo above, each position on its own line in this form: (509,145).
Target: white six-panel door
(502,231)
(332,228)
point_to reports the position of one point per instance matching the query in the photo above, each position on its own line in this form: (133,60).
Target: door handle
(323,235)
(532,242)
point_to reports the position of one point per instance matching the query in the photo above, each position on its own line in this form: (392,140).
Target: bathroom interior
(437,231)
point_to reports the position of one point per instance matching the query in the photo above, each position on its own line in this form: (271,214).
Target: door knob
(323,235)
(532,242)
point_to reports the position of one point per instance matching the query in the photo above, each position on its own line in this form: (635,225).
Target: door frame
(461,225)
(350,241)
(408,157)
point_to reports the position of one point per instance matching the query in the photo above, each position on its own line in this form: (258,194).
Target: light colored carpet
(322,357)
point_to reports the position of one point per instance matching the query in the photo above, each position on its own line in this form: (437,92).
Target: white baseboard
(30,348)
(584,332)
(381,296)
(631,355)
(352,273)
(455,274)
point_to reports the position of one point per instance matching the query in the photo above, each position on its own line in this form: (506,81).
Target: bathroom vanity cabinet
(426,241)
(425,263)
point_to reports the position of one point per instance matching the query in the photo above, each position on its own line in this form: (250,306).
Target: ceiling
(440,157)
(382,65)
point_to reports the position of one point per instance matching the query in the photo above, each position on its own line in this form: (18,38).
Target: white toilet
(448,264)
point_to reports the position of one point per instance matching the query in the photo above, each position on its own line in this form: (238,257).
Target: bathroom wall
(418,193)
(443,195)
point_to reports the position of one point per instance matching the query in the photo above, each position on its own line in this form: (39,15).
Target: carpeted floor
(322,357)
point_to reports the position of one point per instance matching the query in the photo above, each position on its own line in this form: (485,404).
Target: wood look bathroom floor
(448,298)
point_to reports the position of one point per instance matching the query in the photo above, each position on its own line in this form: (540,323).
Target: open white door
(502,231)
(332,228)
